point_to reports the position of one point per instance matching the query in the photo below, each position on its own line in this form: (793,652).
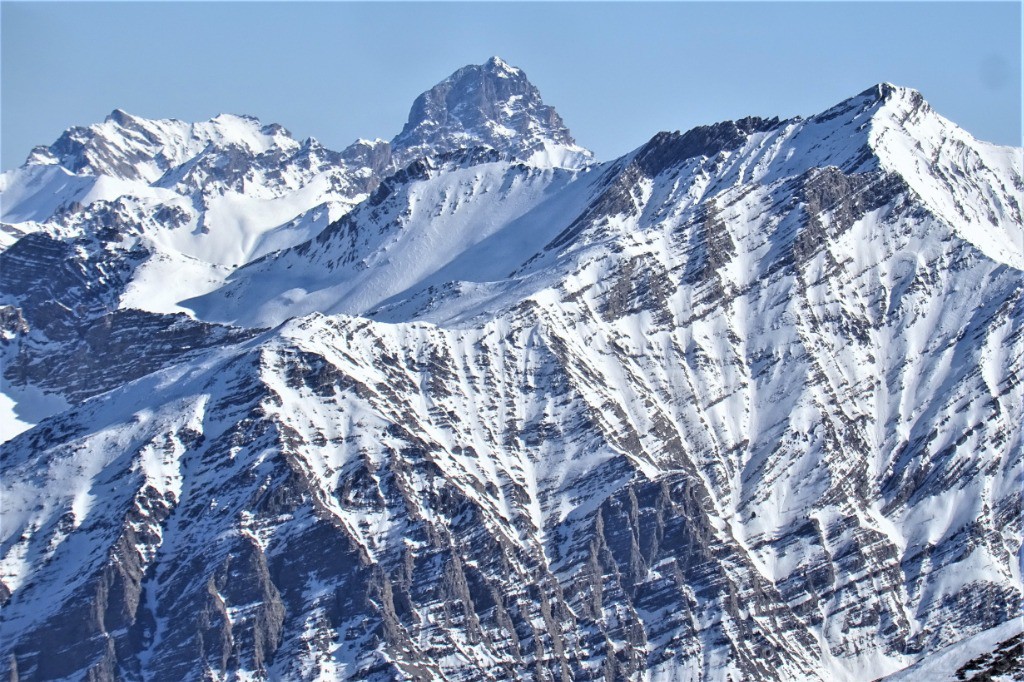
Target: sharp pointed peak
(119,116)
(886,91)
(877,98)
(495,68)
(501,67)
(491,104)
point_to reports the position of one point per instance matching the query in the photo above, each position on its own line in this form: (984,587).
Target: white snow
(23,407)
(941,666)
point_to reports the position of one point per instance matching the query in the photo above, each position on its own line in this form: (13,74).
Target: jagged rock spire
(492,104)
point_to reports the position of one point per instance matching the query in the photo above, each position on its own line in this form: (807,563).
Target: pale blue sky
(617,72)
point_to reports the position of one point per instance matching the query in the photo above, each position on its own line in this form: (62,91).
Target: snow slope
(944,665)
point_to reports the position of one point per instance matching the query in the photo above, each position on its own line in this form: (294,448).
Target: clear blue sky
(617,72)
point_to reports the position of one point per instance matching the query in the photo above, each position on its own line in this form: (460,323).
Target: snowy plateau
(469,404)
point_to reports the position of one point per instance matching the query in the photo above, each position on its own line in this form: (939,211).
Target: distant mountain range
(744,404)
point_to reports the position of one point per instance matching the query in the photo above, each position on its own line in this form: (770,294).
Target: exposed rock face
(492,105)
(66,334)
(743,404)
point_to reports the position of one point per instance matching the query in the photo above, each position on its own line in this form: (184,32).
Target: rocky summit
(744,404)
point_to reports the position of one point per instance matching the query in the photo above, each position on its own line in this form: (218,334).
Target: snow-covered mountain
(497,224)
(742,404)
(150,213)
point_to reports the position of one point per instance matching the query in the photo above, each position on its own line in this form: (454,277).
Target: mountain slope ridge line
(744,403)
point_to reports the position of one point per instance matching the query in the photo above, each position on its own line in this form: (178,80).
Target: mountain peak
(119,116)
(133,147)
(500,67)
(885,93)
(881,97)
(492,104)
